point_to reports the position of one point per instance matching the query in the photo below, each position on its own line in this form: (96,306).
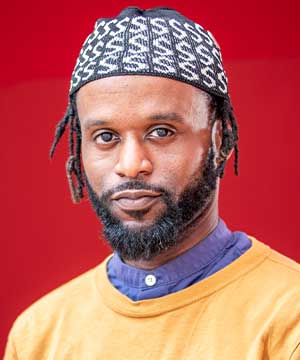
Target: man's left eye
(162,132)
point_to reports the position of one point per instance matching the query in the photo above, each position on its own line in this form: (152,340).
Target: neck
(202,225)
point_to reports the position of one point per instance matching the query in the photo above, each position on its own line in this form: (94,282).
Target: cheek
(97,168)
(176,167)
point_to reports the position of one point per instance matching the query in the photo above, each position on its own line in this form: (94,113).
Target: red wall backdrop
(46,240)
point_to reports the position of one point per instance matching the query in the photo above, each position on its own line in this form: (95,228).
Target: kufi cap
(155,42)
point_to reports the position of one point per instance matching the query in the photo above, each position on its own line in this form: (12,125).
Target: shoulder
(72,300)
(269,275)
(281,280)
(280,269)
(70,291)
(266,286)
(284,263)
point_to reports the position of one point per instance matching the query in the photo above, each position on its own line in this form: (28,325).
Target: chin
(137,224)
(137,218)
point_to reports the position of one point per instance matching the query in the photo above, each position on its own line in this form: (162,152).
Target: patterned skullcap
(156,42)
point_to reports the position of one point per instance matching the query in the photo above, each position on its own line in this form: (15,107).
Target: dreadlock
(223,113)
(73,164)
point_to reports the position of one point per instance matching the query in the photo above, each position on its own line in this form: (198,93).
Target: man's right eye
(104,137)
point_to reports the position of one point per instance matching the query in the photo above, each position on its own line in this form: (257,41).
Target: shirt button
(150,280)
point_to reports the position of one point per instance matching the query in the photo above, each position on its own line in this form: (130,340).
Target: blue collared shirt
(217,250)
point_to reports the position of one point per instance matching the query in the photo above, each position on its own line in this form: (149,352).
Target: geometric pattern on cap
(157,42)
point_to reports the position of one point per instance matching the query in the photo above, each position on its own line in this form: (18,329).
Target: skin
(130,110)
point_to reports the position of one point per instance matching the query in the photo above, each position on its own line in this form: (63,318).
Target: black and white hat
(156,42)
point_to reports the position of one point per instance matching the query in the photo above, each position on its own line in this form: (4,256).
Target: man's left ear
(217,143)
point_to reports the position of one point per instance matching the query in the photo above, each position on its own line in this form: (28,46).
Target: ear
(217,142)
(216,137)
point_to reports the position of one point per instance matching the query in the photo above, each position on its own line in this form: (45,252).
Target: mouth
(135,200)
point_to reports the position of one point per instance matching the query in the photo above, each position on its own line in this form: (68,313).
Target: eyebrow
(91,123)
(170,116)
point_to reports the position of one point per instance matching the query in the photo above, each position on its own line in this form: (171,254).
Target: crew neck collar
(121,304)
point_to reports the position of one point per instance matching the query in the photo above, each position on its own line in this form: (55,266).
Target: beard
(169,227)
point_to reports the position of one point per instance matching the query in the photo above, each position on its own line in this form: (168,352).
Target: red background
(46,240)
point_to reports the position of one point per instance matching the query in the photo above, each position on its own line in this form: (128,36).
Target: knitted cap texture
(155,42)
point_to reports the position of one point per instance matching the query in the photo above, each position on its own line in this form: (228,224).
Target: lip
(135,200)
(140,204)
(135,194)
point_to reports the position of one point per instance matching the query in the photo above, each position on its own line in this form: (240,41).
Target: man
(151,128)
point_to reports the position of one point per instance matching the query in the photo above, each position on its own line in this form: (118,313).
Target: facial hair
(169,227)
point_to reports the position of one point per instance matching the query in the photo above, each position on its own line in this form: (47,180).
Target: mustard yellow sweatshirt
(248,310)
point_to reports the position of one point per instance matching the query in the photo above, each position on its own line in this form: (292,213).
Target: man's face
(145,144)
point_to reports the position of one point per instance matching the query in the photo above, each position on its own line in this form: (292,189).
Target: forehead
(143,95)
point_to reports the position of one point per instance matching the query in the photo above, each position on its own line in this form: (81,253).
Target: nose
(133,159)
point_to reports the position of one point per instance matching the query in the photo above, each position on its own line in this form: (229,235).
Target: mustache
(134,185)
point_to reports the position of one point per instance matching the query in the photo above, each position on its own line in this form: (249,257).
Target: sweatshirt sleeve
(296,353)
(10,350)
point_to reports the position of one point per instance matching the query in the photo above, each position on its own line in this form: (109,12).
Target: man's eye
(104,137)
(161,132)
